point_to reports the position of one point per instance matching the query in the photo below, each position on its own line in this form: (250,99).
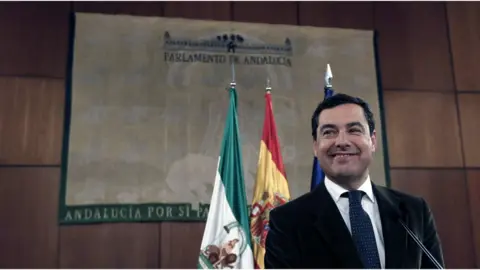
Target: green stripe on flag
(231,169)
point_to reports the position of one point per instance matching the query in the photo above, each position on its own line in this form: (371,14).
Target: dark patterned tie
(362,231)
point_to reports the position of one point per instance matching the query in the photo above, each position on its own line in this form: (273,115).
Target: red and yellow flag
(271,186)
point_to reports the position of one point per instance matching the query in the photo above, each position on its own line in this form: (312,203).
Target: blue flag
(317,173)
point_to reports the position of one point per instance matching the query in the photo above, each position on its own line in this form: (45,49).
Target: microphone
(417,241)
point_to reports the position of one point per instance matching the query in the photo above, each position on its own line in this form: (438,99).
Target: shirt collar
(336,191)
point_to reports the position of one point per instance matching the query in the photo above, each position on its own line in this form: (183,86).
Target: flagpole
(317,173)
(268,88)
(233,84)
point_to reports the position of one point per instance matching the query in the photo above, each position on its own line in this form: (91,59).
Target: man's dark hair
(337,100)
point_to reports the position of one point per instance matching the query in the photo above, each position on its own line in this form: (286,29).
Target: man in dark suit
(347,221)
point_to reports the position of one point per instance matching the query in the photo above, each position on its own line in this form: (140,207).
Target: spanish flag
(271,186)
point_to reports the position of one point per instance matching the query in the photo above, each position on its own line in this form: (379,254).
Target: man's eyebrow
(351,124)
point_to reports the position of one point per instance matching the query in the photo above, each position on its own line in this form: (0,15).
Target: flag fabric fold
(226,241)
(271,186)
(317,173)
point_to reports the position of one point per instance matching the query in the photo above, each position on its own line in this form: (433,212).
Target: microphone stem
(419,243)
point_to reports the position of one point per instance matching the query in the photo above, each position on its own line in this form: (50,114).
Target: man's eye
(355,130)
(328,132)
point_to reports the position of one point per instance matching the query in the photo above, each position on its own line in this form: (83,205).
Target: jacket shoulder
(293,212)
(408,200)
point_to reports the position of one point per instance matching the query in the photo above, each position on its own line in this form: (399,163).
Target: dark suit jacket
(309,232)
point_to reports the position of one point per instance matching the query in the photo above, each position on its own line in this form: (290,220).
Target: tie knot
(354,196)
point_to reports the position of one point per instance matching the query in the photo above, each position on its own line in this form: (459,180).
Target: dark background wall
(430,72)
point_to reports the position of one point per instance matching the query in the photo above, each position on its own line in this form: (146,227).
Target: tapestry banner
(147,101)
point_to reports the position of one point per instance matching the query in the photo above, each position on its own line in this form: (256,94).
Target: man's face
(344,145)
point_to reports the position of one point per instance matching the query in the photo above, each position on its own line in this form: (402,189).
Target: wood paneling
(34,38)
(199,10)
(464,24)
(473,187)
(357,15)
(413,46)
(180,244)
(130,8)
(132,245)
(446,193)
(470,125)
(422,129)
(31,120)
(266,12)
(28,227)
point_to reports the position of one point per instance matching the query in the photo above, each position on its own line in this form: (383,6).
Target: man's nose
(342,139)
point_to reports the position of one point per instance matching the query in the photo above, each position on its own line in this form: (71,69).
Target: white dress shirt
(370,206)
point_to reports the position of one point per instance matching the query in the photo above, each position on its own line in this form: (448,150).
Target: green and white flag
(226,240)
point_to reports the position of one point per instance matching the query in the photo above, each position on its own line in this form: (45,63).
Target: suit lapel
(333,230)
(394,235)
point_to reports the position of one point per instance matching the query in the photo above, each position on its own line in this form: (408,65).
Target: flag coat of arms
(271,186)
(226,240)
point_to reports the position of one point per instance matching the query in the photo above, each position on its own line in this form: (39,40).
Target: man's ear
(373,137)
(315,147)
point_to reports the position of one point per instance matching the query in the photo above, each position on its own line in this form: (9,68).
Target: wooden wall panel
(28,227)
(180,244)
(422,129)
(464,24)
(413,46)
(130,8)
(266,12)
(357,15)
(199,10)
(473,187)
(446,193)
(34,38)
(31,120)
(120,245)
(469,110)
